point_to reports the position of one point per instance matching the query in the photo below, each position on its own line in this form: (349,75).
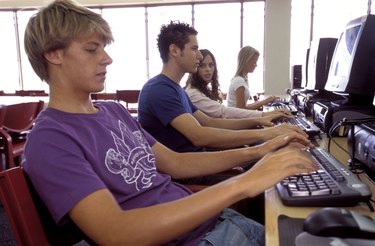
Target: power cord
(355,166)
(330,137)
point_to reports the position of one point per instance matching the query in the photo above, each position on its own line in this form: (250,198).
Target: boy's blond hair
(56,26)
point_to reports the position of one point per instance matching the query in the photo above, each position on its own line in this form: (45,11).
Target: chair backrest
(103,96)
(31,93)
(30,220)
(129,97)
(20,117)
(19,206)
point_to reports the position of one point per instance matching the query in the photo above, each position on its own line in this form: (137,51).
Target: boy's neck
(174,74)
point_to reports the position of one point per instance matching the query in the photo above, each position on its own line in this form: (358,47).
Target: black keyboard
(291,107)
(310,128)
(282,100)
(332,184)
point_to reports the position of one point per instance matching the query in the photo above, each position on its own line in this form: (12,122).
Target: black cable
(354,167)
(330,138)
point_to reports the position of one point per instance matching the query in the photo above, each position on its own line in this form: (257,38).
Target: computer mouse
(339,222)
(276,104)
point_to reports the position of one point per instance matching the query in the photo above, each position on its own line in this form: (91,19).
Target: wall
(277,47)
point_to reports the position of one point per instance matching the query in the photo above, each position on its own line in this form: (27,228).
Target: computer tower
(361,144)
(296,76)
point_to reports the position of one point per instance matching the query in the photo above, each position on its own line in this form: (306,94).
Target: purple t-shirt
(69,156)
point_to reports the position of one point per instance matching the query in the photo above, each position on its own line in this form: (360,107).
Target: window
(158,16)
(220,35)
(128,70)
(300,31)
(29,78)
(8,48)
(326,23)
(135,54)
(253,35)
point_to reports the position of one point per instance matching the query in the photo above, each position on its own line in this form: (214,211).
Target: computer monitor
(352,71)
(305,70)
(319,61)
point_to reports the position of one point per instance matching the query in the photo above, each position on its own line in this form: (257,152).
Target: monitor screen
(319,61)
(305,69)
(352,70)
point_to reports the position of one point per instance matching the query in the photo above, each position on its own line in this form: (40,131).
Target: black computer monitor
(305,69)
(352,71)
(318,63)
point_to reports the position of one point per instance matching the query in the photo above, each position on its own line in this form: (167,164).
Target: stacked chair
(130,97)
(15,122)
(31,93)
(103,96)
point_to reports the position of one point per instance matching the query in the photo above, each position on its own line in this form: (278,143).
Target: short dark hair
(174,33)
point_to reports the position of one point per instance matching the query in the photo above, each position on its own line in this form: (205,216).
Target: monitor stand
(309,91)
(355,101)
(323,95)
(354,109)
(351,108)
(306,101)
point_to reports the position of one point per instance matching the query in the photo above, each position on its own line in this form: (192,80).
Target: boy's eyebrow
(96,43)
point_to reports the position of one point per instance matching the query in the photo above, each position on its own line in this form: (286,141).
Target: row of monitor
(345,66)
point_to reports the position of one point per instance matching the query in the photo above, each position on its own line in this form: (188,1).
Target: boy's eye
(91,48)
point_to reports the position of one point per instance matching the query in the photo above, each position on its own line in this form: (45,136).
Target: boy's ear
(53,56)
(174,50)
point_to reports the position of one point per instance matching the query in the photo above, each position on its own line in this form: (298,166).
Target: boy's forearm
(198,164)
(235,124)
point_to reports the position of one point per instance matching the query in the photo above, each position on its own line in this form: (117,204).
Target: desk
(274,206)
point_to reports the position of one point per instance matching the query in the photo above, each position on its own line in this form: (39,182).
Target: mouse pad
(291,234)
(289,228)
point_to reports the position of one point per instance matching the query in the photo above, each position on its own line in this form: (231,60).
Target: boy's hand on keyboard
(291,139)
(277,115)
(274,167)
(272,132)
(265,121)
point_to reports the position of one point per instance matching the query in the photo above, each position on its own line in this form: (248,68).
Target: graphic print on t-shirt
(132,158)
